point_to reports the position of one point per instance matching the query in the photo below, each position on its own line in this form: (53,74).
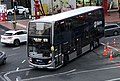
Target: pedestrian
(119,10)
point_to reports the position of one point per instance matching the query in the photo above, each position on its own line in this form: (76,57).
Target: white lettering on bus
(96,23)
(39,39)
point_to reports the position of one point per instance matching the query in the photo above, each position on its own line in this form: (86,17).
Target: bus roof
(67,14)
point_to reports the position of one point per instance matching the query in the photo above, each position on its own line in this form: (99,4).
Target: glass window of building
(80,3)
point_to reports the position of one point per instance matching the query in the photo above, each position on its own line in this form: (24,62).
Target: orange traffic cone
(105,52)
(111,57)
(114,43)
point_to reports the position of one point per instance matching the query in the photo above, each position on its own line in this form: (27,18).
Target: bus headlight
(49,61)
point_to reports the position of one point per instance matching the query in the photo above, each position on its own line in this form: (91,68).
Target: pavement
(22,24)
(112,17)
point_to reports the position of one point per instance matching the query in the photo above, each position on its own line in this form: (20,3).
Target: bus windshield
(39,39)
(39,28)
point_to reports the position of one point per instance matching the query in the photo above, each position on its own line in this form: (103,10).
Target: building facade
(111,4)
(9,3)
(79,3)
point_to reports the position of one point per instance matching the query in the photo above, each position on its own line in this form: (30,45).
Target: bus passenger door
(58,56)
(78,46)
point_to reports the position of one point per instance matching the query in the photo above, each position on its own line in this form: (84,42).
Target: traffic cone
(114,43)
(111,57)
(105,52)
(107,46)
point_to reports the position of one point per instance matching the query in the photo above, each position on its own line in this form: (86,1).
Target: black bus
(57,39)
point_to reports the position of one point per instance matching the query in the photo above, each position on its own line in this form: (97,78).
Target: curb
(3,27)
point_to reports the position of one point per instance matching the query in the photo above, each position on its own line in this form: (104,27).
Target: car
(112,29)
(22,10)
(19,10)
(15,37)
(11,11)
(3,57)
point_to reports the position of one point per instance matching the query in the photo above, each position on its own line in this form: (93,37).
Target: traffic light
(15,5)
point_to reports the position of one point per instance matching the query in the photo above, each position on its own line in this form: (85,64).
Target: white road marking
(6,75)
(17,69)
(23,61)
(87,71)
(52,75)
(2,78)
(110,47)
(15,48)
(67,73)
(21,25)
(114,79)
(18,78)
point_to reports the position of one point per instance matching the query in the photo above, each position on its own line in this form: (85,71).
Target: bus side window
(68,24)
(62,27)
(57,30)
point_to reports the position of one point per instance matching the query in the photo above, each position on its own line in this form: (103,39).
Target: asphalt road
(92,66)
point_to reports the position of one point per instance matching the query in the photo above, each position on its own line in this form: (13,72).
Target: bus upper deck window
(39,26)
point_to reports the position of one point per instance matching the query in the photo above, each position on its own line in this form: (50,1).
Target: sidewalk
(22,24)
(112,17)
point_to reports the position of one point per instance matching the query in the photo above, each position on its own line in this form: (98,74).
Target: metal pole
(104,4)
(14,19)
(52,6)
(90,3)
(83,3)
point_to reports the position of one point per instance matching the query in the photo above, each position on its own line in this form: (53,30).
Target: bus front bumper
(49,66)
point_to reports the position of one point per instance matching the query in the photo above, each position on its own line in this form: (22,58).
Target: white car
(14,37)
(10,11)
(21,10)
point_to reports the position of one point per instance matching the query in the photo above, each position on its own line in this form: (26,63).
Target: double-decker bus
(57,39)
